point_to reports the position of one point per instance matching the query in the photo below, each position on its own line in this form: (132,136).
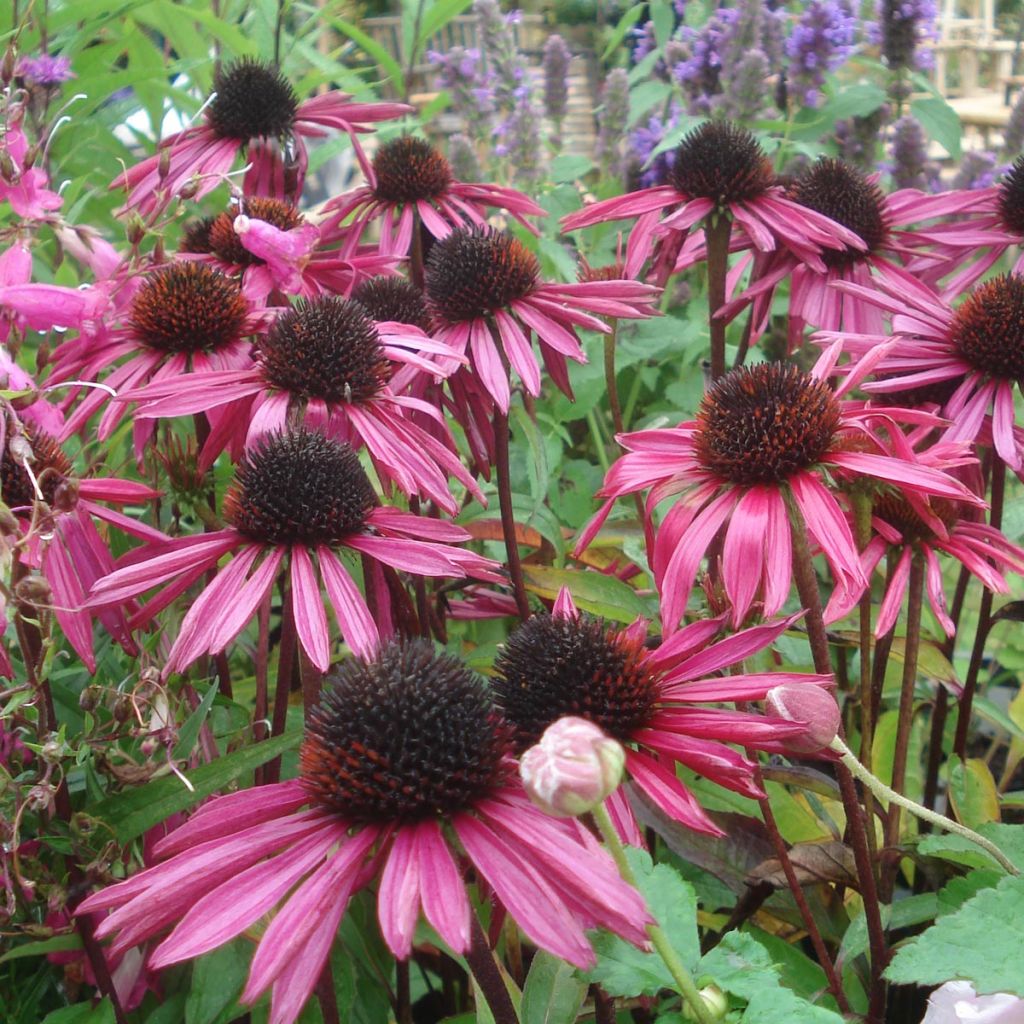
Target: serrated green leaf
(134,811)
(781,1006)
(624,970)
(739,964)
(594,592)
(959,850)
(980,943)
(553,993)
(955,893)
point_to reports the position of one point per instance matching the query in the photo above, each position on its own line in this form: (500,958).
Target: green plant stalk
(684,982)
(912,645)
(884,792)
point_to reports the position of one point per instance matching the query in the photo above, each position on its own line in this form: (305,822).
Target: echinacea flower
(763,433)
(251,101)
(327,363)
(485,295)
(410,179)
(275,248)
(67,548)
(24,187)
(843,194)
(182,318)
(718,168)
(570,664)
(405,777)
(976,350)
(295,496)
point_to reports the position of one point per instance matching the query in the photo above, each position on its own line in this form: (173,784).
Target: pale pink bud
(812,706)
(956,1002)
(573,768)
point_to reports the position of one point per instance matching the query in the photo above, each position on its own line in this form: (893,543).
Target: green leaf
(955,893)
(594,592)
(980,943)
(189,732)
(56,944)
(553,993)
(569,166)
(624,970)
(438,14)
(645,96)
(134,811)
(972,792)
(217,980)
(940,122)
(854,101)
(82,1013)
(663,17)
(626,22)
(739,964)
(959,850)
(387,63)
(781,1006)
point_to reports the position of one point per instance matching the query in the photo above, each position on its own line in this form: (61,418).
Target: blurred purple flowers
(821,40)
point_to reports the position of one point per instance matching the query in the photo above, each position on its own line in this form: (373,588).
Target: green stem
(684,982)
(884,792)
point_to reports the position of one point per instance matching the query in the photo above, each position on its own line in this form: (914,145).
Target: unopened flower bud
(8,169)
(8,520)
(51,750)
(89,698)
(573,768)
(20,449)
(122,708)
(163,165)
(8,65)
(715,1001)
(813,706)
(189,189)
(134,228)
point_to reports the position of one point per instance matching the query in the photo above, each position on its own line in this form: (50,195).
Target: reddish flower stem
(285,675)
(717,229)
(807,587)
(326,997)
(488,977)
(995,519)
(312,681)
(420,585)
(911,646)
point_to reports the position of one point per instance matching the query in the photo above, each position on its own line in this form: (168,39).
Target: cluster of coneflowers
(331,361)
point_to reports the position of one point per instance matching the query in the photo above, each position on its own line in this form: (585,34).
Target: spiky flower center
(327,348)
(1011,197)
(195,238)
(299,488)
(843,194)
(50,467)
(188,307)
(253,101)
(553,666)
(474,272)
(988,327)
(408,169)
(718,160)
(226,245)
(408,736)
(392,298)
(894,509)
(763,423)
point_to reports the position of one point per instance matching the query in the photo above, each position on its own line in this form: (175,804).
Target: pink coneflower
(760,432)
(295,495)
(404,758)
(847,197)
(275,248)
(251,101)
(65,546)
(976,351)
(484,292)
(409,178)
(569,664)
(327,362)
(183,318)
(23,187)
(719,168)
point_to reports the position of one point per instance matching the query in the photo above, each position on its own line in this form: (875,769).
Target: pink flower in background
(308,845)
(484,292)
(719,167)
(295,496)
(251,101)
(23,187)
(762,431)
(327,363)
(956,1002)
(568,664)
(409,180)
